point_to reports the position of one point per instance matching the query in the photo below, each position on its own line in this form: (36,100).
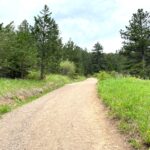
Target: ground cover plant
(129,101)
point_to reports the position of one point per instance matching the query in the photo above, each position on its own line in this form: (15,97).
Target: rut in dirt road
(69,118)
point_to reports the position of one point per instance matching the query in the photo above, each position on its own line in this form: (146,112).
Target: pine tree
(7,43)
(25,57)
(136,42)
(46,34)
(97,58)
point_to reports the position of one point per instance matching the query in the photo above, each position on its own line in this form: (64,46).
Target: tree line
(134,56)
(39,47)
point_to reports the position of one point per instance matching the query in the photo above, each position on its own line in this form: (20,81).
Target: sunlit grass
(129,101)
(13,85)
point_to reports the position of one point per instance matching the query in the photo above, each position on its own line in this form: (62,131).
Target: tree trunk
(21,70)
(143,64)
(42,69)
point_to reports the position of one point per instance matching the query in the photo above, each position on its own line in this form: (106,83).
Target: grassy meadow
(13,85)
(129,101)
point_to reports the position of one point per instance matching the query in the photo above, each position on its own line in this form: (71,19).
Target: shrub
(34,75)
(104,75)
(67,68)
(115,74)
(4,109)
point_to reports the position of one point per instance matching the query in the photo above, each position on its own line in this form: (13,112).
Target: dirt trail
(70,118)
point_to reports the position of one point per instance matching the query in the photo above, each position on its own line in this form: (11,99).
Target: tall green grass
(129,100)
(14,85)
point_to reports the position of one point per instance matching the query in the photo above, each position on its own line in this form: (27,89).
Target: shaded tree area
(17,50)
(115,62)
(97,58)
(39,48)
(81,57)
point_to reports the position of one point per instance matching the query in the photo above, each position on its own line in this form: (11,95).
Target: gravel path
(69,118)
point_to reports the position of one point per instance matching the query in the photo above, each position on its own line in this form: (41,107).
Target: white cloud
(111,43)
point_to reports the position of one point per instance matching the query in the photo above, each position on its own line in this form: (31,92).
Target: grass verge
(12,87)
(129,101)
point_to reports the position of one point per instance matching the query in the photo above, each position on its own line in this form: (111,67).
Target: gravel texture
(69,118)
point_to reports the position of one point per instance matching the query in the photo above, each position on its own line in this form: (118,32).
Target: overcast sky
(84,21)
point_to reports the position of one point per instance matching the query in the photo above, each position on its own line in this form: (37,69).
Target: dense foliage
(67,68)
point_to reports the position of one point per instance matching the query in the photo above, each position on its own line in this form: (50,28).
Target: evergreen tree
(114,62)
(25,57)
(136,42)
(55,57)
(7,43)
(68,50)
(46,34)
(97,58)
(87,62)
(79,56)
(17,51)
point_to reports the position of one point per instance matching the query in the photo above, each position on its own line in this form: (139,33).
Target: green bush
(67,68)
(104,75)
(35,75)
(4,109)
